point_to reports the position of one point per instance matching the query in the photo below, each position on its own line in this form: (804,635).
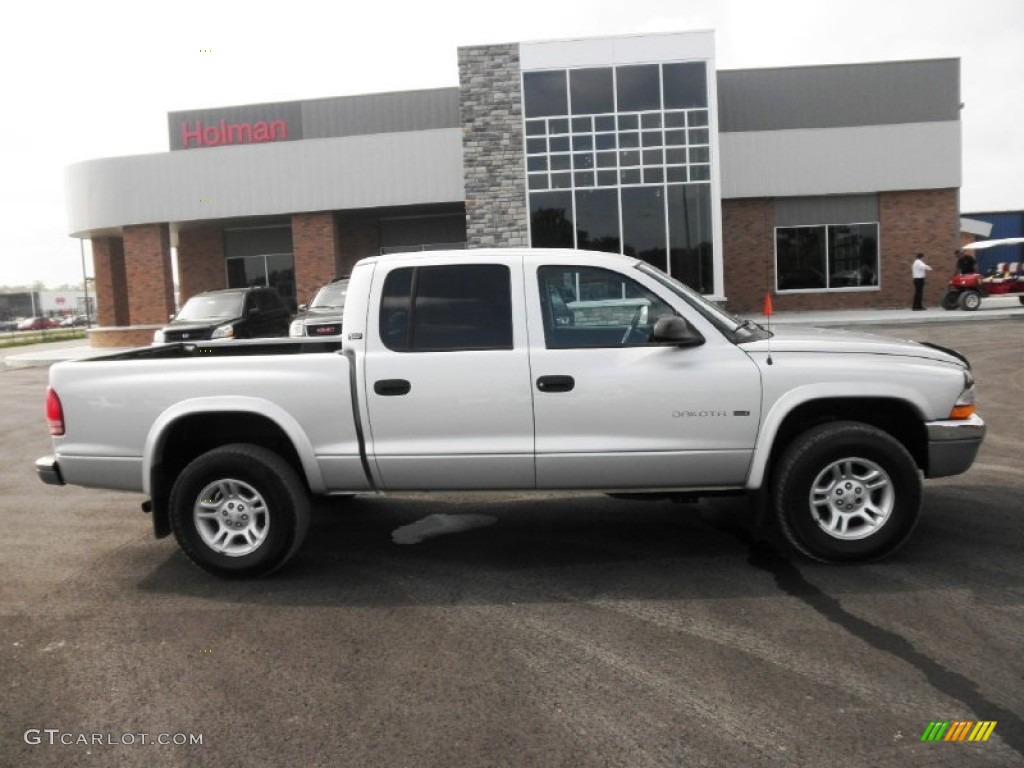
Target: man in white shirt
(918,271)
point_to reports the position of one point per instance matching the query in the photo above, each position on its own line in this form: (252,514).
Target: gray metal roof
(385,169)
(839,96)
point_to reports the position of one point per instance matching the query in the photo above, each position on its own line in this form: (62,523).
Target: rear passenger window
(446,308)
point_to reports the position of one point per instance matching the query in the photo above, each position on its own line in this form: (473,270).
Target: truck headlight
(966,404)
(296,329)
(223,332)
(158,337)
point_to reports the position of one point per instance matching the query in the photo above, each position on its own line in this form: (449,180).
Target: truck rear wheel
(846,492)
(239,511)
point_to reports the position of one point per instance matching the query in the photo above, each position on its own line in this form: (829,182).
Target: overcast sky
(96,79)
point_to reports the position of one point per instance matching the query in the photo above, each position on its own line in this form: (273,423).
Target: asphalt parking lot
(559,630)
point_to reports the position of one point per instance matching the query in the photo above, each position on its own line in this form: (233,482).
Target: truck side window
(446,308)
(593,307)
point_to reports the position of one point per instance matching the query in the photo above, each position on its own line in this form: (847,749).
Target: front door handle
(556,383)
(392,387)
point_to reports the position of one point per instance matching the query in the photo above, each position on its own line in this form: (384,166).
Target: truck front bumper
(49,470)
(952,445)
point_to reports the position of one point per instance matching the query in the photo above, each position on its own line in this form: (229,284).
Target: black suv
(234,313)
(323,316)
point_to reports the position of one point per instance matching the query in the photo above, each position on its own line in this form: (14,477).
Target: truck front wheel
(239,511)
(846,492)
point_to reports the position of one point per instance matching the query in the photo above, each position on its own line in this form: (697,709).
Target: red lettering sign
(200,135)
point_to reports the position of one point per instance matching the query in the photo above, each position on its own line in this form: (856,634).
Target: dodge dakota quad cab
(517,369)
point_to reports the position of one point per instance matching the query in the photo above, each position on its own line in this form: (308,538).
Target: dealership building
(815,184)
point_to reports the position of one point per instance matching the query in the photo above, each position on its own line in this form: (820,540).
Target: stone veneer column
(201,264)
(316,251)
(492,146)
(110,282)
(147,261)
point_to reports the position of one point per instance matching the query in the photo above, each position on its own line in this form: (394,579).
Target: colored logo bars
(958,730)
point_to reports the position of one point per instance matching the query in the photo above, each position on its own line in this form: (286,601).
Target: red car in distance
(37,324)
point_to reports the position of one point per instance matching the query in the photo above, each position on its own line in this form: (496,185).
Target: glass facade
(827,257)
(619,159)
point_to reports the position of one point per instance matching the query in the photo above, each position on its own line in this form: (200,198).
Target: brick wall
(492,146)
(110,282)
(201,264)
(922,221)
(748,252)
(316,250)
(358,237)
(925,221)
(147,259)
(120,337)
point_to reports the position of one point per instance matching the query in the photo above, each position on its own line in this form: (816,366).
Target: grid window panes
(827,257)
(619,159)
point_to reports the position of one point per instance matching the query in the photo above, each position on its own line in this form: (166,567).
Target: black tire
(851,521)
(951,300)
(244,487)
(970,300)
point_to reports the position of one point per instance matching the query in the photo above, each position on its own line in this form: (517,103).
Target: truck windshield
(331,296)
(212,307)
(730,325)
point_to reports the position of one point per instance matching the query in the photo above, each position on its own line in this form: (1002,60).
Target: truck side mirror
(675,331)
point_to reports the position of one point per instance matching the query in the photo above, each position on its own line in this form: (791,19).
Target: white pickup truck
(517,369)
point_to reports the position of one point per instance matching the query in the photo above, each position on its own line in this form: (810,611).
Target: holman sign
(199,134)
(254,124)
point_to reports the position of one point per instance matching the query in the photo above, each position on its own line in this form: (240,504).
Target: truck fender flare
(153,449)
(773,420)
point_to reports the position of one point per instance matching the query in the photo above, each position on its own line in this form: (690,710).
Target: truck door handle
(392,387)
(556,383)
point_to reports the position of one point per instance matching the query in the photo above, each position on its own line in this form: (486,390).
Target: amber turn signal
(962,411)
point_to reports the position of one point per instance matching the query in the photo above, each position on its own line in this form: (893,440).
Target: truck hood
(798,339)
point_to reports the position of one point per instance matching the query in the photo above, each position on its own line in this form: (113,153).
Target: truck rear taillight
(54,413)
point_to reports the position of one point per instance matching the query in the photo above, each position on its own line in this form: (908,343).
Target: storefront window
(643,224)
(274,270)
(685,85)
(691,249)
(545,94)
(638,88)
(551,220)
(827,257)
(597,220)
(592,91)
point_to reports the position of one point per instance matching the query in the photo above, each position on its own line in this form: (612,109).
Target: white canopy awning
(981,244)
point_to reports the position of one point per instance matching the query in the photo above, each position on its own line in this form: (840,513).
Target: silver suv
(323,316)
